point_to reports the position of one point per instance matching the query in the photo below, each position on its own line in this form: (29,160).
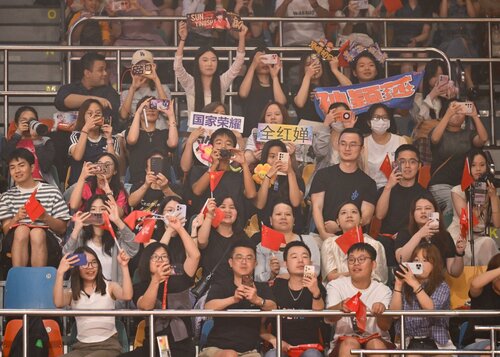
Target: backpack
(38,340)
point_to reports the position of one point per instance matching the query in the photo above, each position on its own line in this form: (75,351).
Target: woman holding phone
(89,290)
(88,232)
(426,225)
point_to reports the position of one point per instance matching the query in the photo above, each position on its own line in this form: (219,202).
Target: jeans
(308,353)
(442,194)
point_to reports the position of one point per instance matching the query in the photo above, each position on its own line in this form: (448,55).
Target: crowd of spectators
(137,214)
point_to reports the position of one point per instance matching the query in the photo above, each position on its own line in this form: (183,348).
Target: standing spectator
(237,336)
(29,242)
(345,182)
(143,85)
(374,295)
(361,32)
(298,292)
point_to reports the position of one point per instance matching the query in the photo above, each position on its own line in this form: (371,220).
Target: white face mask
(380,126)
(338,126)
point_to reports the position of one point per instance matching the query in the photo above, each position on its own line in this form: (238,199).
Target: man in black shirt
(237,335)
(393,205)
(346,182)
(300,292)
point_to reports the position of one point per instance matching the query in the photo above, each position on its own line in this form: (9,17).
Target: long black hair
(215,89)
(77,281)
(88,231)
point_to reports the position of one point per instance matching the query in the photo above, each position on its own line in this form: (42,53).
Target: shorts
(210,351)
(336,349)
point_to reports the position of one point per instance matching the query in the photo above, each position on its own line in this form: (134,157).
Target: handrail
(246,313)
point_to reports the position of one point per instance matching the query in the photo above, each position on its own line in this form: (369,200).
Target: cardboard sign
(291,133)
(213,20)
(64,121)
(323,49)
(213,122)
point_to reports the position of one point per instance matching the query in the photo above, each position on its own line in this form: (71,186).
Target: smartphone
(362,4)
(94,219)
(157,165)
(309,271)
(466,108)
(442,79)
(396,166)
(345,115)
(270,58)
(434,218)
(140,69)
(82,259)
(176,269)
(119,5)
(416,268)
(101,168)
(247,280)
(285,157)
(181,211)
(106,120)
(159,104)
(225,154)
(480,193)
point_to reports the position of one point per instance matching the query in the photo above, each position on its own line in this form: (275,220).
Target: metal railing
(278,314)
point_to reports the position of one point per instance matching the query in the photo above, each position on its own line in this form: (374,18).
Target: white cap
(142,55)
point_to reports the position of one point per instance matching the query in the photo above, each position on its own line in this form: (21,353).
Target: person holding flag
(92,228)
(270,259)
(33,215)
(334,249)
(359,293)
(486,208)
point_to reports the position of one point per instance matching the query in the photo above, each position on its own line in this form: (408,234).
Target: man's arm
(367,210)
(55,224)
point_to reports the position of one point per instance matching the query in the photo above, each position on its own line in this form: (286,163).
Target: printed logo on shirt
(354,195)
(304,13)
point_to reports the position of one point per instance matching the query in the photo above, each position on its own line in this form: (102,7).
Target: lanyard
(164,298)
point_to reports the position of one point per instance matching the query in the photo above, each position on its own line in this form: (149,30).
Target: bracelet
(397,291)
(317,297)
(268,177)
(83,132)
(109,194)
(418,290)
(459,255)
(263,303)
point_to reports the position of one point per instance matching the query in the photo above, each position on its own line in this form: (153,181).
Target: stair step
(41,72)
(29,34)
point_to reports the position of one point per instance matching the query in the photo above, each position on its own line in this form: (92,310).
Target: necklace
(293,297)
(150,134)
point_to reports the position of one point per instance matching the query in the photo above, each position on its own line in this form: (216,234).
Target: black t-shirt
(341,187)
(447,248)
(140,151)
(212,253)
(398,214)
(236,333)
(254,104)
(308,111)
(488,300)
(296,330)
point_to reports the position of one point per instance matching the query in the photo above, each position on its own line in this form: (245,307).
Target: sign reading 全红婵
(296,134)
(212,121)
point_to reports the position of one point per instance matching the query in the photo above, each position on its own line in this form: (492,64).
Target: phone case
(156,165)
(82,259)
(94,219)
(247,280)
(415,267)
(270,58)
(309,271)
(285,157)
(181,211)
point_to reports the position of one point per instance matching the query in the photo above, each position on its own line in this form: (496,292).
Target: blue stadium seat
(30,288)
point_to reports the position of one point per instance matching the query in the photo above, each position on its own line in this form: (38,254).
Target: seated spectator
(484,292)
(421,228)
(238,185)
(486,209)
(426,291)
(30,242)
(206,85)
(301,33)
(333,258)
(169,268)
(216,243)
(393,204)
(273,113)
(427,106)
(143,137)
(90,8)
(271,264)
(33,137)
(276,186)
(92,137)
(326,141)
(93,84)
(237,336)
(361,32)
(346,182)
(381,142)
(298,292)
(374,295)
(90,290)
(449,145)
(261,85)
(366,63)
(88,232)
(101,178)
(143,85)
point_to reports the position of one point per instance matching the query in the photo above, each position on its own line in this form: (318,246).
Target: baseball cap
(142,55)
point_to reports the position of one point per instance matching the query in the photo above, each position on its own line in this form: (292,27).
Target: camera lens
(39,128)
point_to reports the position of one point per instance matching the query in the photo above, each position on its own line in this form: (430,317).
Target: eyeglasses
(240,258)
(377,118)
(90,265)
(359,260)
(411,162)
(349,145)
(159,258)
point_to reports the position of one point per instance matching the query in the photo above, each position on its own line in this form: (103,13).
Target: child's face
(223,142)
(91,5)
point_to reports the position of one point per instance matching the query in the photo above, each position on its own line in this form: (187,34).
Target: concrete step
(48,34)
(34,73)
(30,15)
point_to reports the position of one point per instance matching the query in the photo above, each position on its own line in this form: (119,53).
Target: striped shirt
(49,196)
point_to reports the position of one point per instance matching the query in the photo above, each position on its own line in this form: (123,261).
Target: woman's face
(89,272)
(208,63)
(308,62)
(158,258)
(170,207)
(151,114)
(229,209)
(97,206)
(366,70)
(422,209)
(349,217)
(282,218)
(427,265)
(26,117)
(111,170)
(220,110)
(433,80)
(273,154)
(478,166)
(273,115)
(94,111)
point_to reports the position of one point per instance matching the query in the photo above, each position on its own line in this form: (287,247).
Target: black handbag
(426,343)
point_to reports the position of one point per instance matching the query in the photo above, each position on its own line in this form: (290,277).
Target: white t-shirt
(301,33)
(340,289)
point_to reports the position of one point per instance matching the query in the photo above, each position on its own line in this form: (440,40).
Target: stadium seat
(23,280)
(140,334)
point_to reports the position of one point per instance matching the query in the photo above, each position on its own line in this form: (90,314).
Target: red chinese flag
(355,304)
(272,239)
(34,208)
(218,216)
(107,224)
(215,178)
(342,61)
(467,178)
(346,240)
(145,234)
(392,5)
(464,223)
(132,218)
(386,167)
